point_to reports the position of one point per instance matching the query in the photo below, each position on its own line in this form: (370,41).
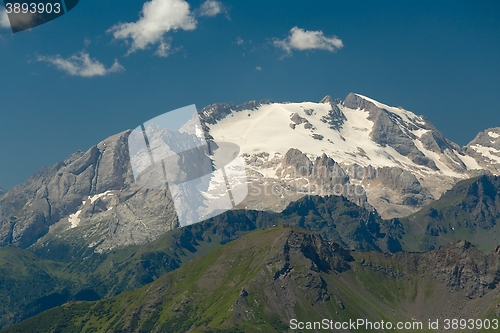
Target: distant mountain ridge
(379,157)
(334,217)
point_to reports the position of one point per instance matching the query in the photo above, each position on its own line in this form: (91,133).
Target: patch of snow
(436,158)
(98,196)
(493,135)
(268,172)
(74,219)
(198,131)
(487,152)
(268,130)
(469,162)
(418,133)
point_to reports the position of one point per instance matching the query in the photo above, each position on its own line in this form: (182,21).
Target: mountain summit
(380,157)
(400,160)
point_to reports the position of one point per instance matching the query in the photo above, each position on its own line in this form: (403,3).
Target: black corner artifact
(26,14)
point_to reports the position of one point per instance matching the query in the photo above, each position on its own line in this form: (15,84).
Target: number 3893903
(33,8)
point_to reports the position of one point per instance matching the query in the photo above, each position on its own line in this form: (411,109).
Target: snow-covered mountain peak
(329,100)
(356,132)
(369,104)
(376,155)
(376,103)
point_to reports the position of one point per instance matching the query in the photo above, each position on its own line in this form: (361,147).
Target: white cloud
(258,68)
(81,64)
(239,41)
(211,8)
(302,40)
(4,19)
(19,22)
(156,19)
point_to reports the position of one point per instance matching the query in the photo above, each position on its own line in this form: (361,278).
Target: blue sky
(96,71)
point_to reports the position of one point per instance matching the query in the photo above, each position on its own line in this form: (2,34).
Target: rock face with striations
(90,198)
(464,268)
(376,155)
(361,136)
(321,176)
(392,130)
(403,187)
(485,148)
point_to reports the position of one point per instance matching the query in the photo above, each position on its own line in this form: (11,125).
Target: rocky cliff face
(485,148)
(462,267)
(89,199)
(400,160)
(403,187)
(321,176)
(389,129)
(400,130)
(380,157)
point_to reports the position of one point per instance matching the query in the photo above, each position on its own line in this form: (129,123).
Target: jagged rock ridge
(90,199)
(378,156)
(374,144)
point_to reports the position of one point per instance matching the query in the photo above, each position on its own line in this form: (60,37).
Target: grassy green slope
(129,268)
(261,281)
(29,285)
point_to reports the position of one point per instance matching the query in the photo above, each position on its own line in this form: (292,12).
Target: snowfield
(269,129)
